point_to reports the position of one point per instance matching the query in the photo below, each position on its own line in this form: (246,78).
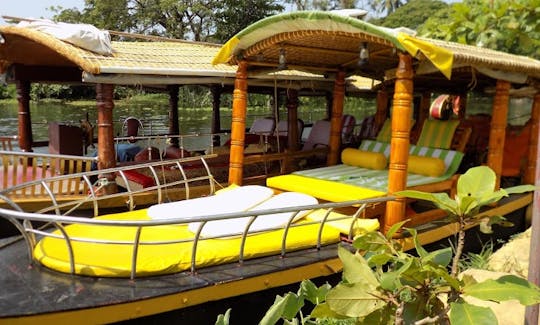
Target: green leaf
(224,319)
(463,313)
(324,311)
(440,257)
(385,315)
(419,249)
(477,181)
(284,307)
(505,288)
(441,200)
(356,268)
(395,227)
(442,272)
(379,259)
(520,189)
(315,295)
(372,241)
(354,300)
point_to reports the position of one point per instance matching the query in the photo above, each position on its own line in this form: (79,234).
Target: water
(154,115)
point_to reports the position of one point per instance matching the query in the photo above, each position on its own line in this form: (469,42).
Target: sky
(35,8)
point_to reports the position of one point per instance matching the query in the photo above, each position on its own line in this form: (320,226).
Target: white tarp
(84,36)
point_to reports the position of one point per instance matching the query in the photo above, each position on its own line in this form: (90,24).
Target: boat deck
(37,293)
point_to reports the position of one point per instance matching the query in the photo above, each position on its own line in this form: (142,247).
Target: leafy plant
(382,284)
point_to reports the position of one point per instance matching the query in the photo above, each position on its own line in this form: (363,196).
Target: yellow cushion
(344,222)
(114,260)
(365,159)
(427,166)
(322,189)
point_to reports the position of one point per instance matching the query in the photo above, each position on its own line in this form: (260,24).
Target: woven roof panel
(171,58)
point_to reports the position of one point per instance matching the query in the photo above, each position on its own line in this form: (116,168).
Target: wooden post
(106,151)
(462,106)
(292,120)
(532,160)
(174,127)
(382,109)
(25,122)
(425,103)
(399,145)
(216,116)
(498,128)
(329,103)
(336,117)
(105,105)
(238,125)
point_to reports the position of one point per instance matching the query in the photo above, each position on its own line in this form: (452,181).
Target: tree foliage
(509,26)
(411,15)
(234,15)
(323,4)
(201,20)
(386,6)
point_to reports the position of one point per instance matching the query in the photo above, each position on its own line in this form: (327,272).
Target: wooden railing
(21,167)
(6,142)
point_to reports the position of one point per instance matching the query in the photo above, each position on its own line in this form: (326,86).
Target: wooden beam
(46,74)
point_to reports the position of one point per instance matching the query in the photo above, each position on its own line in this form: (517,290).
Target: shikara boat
(170,254)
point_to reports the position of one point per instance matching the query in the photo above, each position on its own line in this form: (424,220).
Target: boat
(65,285)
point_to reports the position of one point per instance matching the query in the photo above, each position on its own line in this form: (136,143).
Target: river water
(154,115)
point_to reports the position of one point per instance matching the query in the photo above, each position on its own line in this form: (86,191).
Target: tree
(509,26)
(234,15)
(323,4)
(387,6)
(411,15)
(201,20)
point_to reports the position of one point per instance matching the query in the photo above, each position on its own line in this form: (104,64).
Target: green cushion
(437,134)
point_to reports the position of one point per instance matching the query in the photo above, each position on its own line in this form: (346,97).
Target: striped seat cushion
(437,134)
(377,180)
(376,146)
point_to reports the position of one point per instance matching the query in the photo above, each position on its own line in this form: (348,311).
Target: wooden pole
(382,109)
(532,312)
(399,144)
(292,120)
(174,126)
(336,117)
(105,105)
(238,125)
(532,160)
(216,115)
(329,103)
(25,122)
(498,128)
(106,151)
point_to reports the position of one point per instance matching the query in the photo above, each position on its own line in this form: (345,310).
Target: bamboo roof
(324,42)
(142,62)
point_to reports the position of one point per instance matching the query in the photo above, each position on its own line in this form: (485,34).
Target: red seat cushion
(137,179)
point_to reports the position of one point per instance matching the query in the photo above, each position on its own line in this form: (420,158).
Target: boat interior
(154,235)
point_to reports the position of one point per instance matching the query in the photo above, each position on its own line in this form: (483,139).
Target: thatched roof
(323,42)
(142,63)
